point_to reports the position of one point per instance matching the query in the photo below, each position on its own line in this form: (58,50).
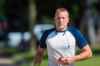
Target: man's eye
(60,18)
(63,18)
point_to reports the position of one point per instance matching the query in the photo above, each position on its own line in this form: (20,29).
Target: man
(61,42)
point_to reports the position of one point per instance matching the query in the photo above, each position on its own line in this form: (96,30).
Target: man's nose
(61,20)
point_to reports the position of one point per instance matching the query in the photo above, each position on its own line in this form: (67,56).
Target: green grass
(94,61)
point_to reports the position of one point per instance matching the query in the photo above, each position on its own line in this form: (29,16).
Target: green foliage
(2,7)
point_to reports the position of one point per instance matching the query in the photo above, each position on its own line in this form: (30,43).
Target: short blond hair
(61,10)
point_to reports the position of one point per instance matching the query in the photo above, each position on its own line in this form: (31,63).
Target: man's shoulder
(44,36)
(74,31)
(73,28)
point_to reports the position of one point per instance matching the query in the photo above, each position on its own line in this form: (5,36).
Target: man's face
(61,20)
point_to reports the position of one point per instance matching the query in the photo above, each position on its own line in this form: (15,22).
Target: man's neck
(61,29)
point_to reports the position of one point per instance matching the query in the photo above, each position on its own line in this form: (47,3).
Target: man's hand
(66,60)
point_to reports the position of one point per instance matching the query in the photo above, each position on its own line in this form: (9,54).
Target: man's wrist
(77,58)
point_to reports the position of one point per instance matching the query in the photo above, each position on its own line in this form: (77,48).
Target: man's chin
(61,29)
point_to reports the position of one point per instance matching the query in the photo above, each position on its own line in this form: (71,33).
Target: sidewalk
(6,62)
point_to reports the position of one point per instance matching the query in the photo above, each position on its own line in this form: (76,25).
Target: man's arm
(85,54)
(38,57)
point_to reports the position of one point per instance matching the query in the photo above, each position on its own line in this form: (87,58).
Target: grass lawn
(94,61)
